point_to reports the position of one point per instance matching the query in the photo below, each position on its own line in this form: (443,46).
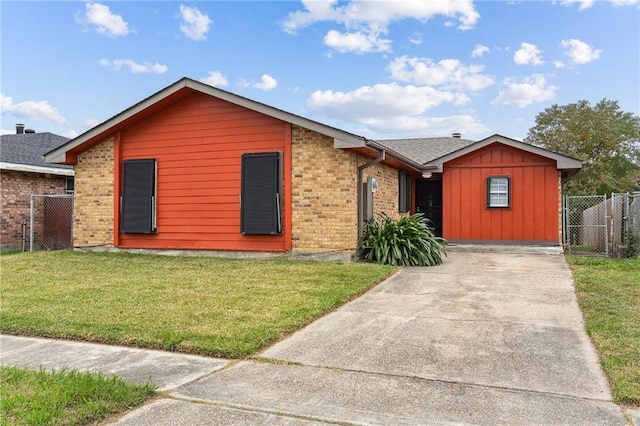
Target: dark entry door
(429,202)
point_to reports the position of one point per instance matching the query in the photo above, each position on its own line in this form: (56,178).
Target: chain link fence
(51,222)
(597,225)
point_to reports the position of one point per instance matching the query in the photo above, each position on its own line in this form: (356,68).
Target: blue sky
(380,69)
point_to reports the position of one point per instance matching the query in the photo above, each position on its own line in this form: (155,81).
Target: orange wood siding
(533,211)
(198,143)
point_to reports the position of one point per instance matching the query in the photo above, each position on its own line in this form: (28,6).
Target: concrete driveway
(490,337)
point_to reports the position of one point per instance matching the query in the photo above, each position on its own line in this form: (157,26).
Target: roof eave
(29,168)
(59,155)
(403,159)
(563,162)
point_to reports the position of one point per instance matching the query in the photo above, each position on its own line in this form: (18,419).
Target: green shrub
(408,241)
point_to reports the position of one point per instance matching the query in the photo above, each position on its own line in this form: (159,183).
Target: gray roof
(29,149)
(424,150)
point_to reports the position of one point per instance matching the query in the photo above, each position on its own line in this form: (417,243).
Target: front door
(429,202)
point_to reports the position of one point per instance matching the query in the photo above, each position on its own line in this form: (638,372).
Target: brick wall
(94,196)
(324,193)
(385,198)
(17,188)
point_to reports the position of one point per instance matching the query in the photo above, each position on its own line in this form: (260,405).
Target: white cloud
(7,131)
(579,51)
(357,42)
(528,54)
(529,90)
(479,51)
(582,4)
(449,73)
(416,38)
(104,21)
(366,21)
(215,78)
(558,64)
(134,67)
(381,101)
(71,134)
(195,24)
(266,83)
(425,125)
(586,4)
(33,110)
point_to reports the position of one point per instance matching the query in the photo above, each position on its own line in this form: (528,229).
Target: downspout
(361,169)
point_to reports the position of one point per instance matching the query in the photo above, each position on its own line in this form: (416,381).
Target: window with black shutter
(261,191)
(138,200)
(404,191)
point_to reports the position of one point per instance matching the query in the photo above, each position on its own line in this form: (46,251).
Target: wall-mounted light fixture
(373,184)
(426,175)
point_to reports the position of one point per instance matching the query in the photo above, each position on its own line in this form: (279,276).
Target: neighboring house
(23,172)
(197,167)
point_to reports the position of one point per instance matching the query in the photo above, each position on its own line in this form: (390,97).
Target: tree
(604,138)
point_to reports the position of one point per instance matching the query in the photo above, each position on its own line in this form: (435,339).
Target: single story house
(194,167)
(24,172)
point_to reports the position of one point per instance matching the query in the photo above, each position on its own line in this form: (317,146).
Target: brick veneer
(324,193)
(93,205)
(17,188)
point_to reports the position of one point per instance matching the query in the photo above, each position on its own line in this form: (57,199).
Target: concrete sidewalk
(490,337)
(166,370)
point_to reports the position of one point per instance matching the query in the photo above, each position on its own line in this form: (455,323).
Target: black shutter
(260,194)
(404,191)
(138,197)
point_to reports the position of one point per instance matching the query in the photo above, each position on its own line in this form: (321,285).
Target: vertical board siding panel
(551,228)
(517,203)
(466,189)
(198,142)
(454,193)
(533,211)
(540,201)
(530,225)
(473,194)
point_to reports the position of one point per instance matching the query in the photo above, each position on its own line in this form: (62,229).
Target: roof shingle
(29,148)
(423,150)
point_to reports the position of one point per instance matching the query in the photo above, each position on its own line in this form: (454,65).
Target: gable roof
(570,166)
(185,87)
(25,152)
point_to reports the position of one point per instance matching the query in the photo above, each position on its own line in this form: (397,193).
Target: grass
(64,397)
(609,295)
(217,307)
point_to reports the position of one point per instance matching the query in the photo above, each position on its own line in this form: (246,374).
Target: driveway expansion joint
(445,381)
(250,409)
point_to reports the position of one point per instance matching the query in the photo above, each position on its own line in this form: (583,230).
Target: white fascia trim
(58,155)
(562,161)
(36,169)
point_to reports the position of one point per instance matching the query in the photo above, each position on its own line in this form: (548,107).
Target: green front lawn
(218,307)
(609,295)
(64,397)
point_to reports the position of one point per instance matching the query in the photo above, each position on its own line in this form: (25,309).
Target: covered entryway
(429,201)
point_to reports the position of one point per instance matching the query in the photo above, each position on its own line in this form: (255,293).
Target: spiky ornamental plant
(408,241)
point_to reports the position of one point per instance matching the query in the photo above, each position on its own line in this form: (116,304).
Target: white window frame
(498,192)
